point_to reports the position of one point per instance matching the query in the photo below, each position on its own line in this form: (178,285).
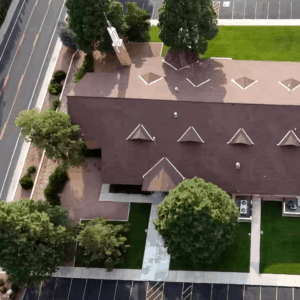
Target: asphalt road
(23,64)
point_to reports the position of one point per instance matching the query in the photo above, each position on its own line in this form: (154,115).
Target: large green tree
(187,24)
(137,23)
(86,19)
(53,131)
(104,242)
(35,239)
(197,221)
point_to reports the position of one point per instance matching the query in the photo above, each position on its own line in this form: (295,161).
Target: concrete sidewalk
(249,22)
(156,258)
(184,276)
(255,236)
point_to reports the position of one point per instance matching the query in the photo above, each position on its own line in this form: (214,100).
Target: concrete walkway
(249,22)
(156,258)
(255,236)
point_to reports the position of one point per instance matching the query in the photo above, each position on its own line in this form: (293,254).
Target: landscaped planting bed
(236,257)
(139,219)
(275,43)
(280,241)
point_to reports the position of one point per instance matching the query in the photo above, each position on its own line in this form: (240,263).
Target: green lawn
(139,219)
(280,242)
(236,258)
(275,43)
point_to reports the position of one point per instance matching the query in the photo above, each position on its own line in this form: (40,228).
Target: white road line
(268,11)
(9,166)
(279,11)
(232,9)
(17,48)
(27,66)
(245,10)
(255,9)
(12,29)
(153,11)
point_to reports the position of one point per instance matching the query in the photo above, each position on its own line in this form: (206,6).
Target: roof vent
(290,139)
(175,115)
(140,133)
(238,165)
(241,137)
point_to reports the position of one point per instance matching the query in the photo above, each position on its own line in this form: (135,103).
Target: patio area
(81,195)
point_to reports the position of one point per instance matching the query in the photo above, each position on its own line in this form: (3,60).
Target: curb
(8,18)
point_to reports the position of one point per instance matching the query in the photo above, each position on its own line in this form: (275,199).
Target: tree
(137,24)
(52,131)
(197,221)
(187,25)
(34,240)
(103,242)
(87,21)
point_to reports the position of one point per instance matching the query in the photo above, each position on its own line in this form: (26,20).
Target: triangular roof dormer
(163,176)
(241,137)
(290,139)
(191,135)
(140,133)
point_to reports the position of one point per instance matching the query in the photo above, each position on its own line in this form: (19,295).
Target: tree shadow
(205,83)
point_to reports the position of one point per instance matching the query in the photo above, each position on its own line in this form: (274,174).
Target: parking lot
(92,289)
(258,10)
(238,9)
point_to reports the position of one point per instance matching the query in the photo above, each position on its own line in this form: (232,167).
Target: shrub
(31,169)
(3,290)
(2,282)
(87,66)
(15,288)
(66,36)
(55,103)
(4,6)
(59,75)
(54,87)
(26,182)
(13,296)
(56,183)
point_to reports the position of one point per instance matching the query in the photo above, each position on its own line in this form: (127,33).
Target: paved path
(25,54)
(156,258)
(255,236)
(245,22)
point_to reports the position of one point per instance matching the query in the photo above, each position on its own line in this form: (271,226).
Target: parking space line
(227,291)
(291,10)
(116,289)
(131,290)
(279,11)
(232,9)
(245,10)
(268,11)
(293,289)
(100,289)
(211,291)
(255,9)
(153,11)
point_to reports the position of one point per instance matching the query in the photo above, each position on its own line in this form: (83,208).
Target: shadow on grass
(236,258)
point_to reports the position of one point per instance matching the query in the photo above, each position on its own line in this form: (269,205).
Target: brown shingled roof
(290,139)
(191,135)
(163,176)
(265,167)
(140,133)
(241,137)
